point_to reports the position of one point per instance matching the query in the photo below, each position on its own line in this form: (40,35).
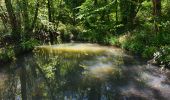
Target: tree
(72,5)
(156,13)
(156,7)
(16,28)
(50,18)
(28,23)
(50,10)
(128,10)
(3,17)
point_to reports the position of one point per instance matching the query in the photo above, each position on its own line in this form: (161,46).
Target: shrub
(162,56)
(110,39)
(148,52)
(6,54)
(29,45)
(69,32)
(132,43)
(89,36)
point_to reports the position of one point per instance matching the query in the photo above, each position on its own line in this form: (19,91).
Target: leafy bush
(6,54)
(69,32)
(162,56)
(110,39)
(29,45)
(89,36)
(132,43)
(148,52)
(136,47)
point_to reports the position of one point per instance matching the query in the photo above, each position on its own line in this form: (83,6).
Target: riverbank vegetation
(138,26)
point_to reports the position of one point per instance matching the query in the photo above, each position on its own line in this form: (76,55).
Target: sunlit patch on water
(84,71)
(101,67)
(102,71)
(78,48)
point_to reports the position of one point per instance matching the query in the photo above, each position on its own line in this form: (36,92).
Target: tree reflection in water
(74,75)
(43,75)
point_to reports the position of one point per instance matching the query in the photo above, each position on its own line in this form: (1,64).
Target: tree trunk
(156,13)
(26,19)
(50,18)
(116,11)
(124,5)
(13,21)
(49,4)
(128,10)
(95,2)
(25,15)
(156,8)
(35,17)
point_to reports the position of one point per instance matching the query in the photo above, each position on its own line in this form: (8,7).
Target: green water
(77,71)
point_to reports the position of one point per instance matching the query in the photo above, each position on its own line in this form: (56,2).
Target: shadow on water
(82,72)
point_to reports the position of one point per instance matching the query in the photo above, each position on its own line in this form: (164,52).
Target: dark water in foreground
(82,72)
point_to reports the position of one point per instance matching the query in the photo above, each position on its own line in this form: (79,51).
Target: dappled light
(84,49)
(69,71)
(77,48)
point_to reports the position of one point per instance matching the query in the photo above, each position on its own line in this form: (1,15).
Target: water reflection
(55,73)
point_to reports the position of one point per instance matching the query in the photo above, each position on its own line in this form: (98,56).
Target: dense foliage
(140,26)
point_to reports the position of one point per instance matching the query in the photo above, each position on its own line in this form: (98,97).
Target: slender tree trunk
(13,21)
(156,8)
(50,18)
(132,14)
(95,2)
(25,15)
(156,13)
(59,11)
(26,19)
(128,10)
(123,10)
(116,12)
(35,17)
(18,14)
(74,17)
(49,4)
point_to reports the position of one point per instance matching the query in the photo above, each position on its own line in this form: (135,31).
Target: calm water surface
(82,71)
